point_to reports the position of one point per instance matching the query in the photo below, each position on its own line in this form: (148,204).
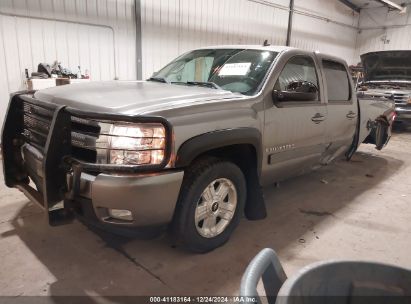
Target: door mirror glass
(297,91)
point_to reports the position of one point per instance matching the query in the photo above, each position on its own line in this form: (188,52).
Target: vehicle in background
(192,146)
(388,75)
(357,73)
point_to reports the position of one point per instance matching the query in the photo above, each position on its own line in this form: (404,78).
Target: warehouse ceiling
(376,3)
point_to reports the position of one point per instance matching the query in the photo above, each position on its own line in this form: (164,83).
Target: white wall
(169,28)
(336,38)
(174,26)
(106,49)
(381,29)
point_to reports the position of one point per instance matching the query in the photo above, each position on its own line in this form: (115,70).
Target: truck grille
(37,121)
(401,99)
(36,127)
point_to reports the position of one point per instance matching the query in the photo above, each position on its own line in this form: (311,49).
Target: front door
(294,135)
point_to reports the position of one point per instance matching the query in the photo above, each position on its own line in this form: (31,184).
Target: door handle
(351,115)
(318,118)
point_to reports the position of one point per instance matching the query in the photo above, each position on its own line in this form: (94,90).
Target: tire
(188,229)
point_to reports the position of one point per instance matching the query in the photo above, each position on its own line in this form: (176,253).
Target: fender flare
(200,144)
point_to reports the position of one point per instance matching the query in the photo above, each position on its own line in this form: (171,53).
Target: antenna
(266,43)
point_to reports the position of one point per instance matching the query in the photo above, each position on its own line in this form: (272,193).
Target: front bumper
(151,198)
(61,184)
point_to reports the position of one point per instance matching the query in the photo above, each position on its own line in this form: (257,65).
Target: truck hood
(388,66)
(130,97)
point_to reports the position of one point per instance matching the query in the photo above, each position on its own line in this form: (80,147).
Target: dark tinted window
(338,84)
(297,69)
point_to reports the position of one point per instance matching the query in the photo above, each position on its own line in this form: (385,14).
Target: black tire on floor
(197,178)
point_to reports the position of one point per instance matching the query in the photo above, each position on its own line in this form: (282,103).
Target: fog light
(124,215)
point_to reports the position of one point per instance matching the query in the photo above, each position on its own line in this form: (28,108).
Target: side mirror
(297,91)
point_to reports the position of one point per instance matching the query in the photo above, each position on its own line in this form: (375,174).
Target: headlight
(132,144)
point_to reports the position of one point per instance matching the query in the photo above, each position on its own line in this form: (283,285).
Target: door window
(298,80)
(338,84)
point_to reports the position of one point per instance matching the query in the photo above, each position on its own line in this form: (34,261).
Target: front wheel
(210,205)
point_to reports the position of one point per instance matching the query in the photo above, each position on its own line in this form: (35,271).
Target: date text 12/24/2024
(203,299)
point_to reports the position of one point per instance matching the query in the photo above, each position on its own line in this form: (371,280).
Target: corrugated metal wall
(98,35)
(382,29)
(171,27)
(326,26)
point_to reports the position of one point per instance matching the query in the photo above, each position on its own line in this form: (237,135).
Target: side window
(298,81)
(338,84)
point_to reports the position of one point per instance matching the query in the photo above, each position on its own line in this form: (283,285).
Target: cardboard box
(64,81)
(39,84)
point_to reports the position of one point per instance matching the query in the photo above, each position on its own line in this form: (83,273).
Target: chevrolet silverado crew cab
(190,148)
(388,74)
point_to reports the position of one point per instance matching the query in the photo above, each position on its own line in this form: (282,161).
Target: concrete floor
(349,210)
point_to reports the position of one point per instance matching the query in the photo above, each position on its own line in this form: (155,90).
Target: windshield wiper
(159,79)
(208,84)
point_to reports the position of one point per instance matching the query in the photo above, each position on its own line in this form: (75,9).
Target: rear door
(342,110)
(294,135)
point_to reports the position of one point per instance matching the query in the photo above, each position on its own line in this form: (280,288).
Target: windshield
(236,70)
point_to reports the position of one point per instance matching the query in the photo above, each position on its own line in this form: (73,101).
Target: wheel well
(243,155)
(246,158)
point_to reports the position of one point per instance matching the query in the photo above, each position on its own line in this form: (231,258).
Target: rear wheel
(211,202)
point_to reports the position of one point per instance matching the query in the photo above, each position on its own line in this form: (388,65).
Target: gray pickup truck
(387,74)
(190,148)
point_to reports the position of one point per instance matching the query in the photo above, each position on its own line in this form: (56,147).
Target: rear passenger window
(338,85)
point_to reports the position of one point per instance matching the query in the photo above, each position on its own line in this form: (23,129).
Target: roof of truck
(273,48)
